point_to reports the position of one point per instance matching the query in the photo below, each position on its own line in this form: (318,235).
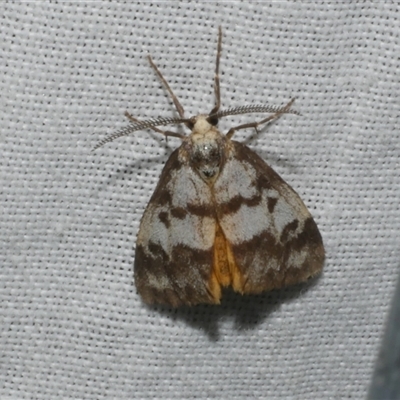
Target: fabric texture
(72,325)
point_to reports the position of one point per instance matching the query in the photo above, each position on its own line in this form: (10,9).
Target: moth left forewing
(272,240)
(174,248)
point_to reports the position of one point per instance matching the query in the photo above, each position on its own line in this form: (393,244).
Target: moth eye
(213,121)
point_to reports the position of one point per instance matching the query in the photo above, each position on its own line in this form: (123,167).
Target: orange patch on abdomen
(225,271)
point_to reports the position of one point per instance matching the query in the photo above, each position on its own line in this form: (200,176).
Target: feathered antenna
(140,125)
(257,108)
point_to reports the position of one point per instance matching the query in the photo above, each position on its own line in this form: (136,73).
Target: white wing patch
(184,227)
(191,230)
(245,223)
(236,179)
(284,214)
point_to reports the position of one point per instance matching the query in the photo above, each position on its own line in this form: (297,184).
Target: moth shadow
(275,160)
(135,167)
(272,158)
(247,312)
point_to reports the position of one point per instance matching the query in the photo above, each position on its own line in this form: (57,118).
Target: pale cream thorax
(202,126)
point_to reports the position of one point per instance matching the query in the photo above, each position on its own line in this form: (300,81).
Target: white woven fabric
(72,323)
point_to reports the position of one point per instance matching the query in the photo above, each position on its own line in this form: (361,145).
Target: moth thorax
(206,152)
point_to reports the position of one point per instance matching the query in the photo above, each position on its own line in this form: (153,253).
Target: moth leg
(177,104)
(217,91)
(264,121)
(165,133)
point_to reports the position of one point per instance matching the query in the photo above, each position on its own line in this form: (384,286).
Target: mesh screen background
(72,324)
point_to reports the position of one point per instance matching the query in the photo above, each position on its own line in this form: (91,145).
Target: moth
(219,216)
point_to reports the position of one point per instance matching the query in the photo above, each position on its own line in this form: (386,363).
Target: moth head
(205,148)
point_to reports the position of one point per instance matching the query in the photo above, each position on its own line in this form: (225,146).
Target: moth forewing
(220,216)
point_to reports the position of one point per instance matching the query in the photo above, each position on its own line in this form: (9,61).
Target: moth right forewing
(174,250)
